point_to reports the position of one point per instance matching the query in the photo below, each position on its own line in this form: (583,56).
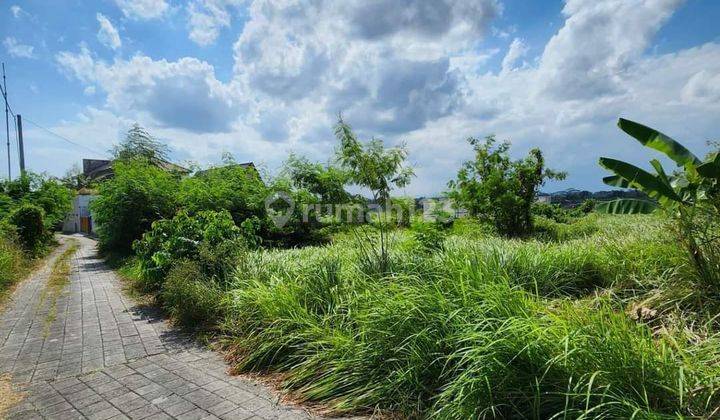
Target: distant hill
(572,197)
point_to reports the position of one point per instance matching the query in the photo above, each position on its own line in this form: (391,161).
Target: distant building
(102,169)
(80,219)
(430,206)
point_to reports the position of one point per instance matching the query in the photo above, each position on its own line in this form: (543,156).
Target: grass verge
(57,282)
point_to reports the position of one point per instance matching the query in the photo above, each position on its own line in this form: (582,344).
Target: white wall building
(80,219)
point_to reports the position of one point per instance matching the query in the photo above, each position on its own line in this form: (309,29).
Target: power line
(62,137)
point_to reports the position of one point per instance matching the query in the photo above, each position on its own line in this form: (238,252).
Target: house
(101,169)
(79,219)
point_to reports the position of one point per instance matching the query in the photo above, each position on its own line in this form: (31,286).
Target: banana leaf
(616,181)
(711,167)
(638,178)
(656,140)
(626,206)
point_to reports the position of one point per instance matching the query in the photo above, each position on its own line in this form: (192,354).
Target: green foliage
(234,188)
(190,298)
(378,169)
(48,193)
(402,211)
(552,230)
(210,238)
(326,182)
(12,259)
(29,223)
(429,236)
(697,184)
(495,188)
(139,194)
(372,165)
(691,196)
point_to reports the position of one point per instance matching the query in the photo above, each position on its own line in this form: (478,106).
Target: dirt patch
(9,397)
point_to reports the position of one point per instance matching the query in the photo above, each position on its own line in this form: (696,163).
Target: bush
(429,236)
(499,190)
(190,298)
(551,230)
(234,188)
(11,259)
(210,238)
(47,193)
(139,194)
(29,222)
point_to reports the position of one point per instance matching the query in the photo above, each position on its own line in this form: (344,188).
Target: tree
(378,169)
(138,143)
(38,189)
(498,189)
(234,188)
(75,179)
(326,182)
(139,194)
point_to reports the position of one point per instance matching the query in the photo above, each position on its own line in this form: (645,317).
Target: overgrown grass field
(599,318)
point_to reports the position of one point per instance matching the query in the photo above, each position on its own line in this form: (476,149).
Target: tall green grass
(484,327)
(14,263)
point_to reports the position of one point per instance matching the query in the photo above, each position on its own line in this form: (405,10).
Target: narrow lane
(91,352)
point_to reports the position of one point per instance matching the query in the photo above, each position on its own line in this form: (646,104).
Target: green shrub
(551,230)
(233,188)
(429,236)
(12,259)
(29,223)
(210,238)
(138,194)
(190,298)
(499,190)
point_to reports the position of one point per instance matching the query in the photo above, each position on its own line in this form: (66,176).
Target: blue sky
(264,78)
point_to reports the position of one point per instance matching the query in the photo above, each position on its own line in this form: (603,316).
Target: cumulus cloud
(208,17)
(183,94)
(143,9)
(16,11)
(588,57)
(516,51)
(419,73)
(384,64)
(107,34)
(16,49)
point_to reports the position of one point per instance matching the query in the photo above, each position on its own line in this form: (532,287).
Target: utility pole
(7,122)
(21,148)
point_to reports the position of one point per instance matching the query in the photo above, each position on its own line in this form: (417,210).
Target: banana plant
(696,182)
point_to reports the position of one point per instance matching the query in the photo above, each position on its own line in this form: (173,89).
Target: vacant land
(609,322)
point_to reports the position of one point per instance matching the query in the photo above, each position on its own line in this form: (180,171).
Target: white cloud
(419,75)
(599,41)
(208,17)
(183,94)
(516,51)
(16,11)
(107,34)
(143,9)
(16,49)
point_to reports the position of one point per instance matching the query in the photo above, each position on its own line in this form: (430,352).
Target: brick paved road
(102,356)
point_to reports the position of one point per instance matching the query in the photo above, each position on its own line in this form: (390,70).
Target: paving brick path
(95,354)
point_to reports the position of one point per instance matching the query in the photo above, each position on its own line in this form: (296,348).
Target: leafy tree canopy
(498,189)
